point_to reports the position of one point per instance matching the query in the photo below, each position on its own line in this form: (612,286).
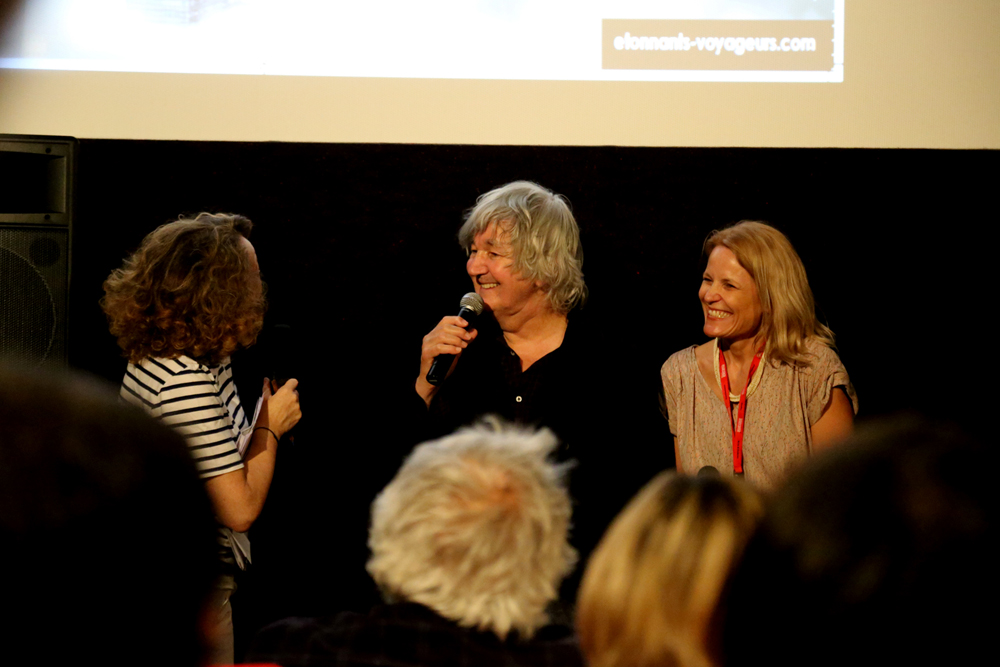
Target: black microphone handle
(442,363)
(279,348)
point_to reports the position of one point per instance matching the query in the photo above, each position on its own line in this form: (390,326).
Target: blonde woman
(651,589)
(767,388)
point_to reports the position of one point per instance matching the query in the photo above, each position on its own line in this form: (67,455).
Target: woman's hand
(281,408)
(450,336)
(239,496)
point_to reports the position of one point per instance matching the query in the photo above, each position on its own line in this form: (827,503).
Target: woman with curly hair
(187,298)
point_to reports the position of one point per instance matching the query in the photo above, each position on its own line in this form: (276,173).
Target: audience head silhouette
(880,552)
(106,532)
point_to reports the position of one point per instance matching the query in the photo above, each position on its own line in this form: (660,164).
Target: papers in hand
(247,433)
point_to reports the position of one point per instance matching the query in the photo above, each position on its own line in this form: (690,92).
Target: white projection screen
(810,73)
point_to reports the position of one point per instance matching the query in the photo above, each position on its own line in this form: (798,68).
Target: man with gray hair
(533,358)
(469,543)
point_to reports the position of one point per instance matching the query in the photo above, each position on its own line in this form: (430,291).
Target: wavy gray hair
(543,234)
(475,527)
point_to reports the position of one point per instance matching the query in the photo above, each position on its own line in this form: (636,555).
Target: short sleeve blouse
(780,413)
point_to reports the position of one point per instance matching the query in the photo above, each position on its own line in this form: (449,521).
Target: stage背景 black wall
(357,245)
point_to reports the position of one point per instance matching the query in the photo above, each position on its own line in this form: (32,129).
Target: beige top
(782,406)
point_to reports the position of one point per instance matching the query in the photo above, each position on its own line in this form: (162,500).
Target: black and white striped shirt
(199,402)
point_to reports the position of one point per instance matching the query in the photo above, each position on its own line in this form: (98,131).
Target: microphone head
(473,302)
(281,352)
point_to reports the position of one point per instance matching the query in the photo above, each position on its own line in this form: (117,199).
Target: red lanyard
(738,425)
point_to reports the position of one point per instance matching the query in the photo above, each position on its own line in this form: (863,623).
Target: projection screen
(585,72)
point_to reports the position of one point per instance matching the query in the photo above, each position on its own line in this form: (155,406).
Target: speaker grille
(33,271)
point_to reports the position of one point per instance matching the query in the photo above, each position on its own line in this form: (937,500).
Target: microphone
(281,358)
(469,307)
(281,349)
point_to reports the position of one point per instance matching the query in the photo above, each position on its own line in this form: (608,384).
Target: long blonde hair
(652,586)
(789,311)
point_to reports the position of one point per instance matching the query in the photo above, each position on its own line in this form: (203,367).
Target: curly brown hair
(190,289)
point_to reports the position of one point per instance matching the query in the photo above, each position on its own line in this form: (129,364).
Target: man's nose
(475,265)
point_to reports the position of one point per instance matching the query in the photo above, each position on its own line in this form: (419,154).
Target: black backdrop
(357,245)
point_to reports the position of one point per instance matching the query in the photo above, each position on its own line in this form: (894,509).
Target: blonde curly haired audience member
(475,527)
(469,544)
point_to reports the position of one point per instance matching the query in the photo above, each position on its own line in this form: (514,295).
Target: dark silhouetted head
(880,552)
(106,533)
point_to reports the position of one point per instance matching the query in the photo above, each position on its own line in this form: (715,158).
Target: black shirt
(406,635)
(606,421)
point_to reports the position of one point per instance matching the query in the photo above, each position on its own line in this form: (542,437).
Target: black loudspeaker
(36,222)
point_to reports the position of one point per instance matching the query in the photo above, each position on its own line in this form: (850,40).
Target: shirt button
(518,399)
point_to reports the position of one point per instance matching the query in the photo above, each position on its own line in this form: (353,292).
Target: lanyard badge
(739,423)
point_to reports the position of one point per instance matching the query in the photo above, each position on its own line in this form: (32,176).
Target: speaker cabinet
(36,221)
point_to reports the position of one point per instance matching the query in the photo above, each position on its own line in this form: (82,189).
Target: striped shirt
(201,403)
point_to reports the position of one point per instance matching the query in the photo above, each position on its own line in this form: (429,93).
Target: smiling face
(729,298)
(491,267)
